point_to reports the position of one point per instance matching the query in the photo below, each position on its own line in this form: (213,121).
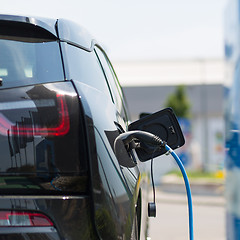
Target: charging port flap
(163,124)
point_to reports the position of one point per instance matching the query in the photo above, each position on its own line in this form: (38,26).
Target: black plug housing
(151,209)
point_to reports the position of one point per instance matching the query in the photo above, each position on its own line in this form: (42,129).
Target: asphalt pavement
(171,222)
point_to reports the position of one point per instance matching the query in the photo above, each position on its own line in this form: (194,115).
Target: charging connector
(149,138)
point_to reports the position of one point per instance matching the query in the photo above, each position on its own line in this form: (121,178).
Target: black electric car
(61,109)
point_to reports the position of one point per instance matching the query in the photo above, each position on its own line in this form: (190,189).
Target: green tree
(179,102)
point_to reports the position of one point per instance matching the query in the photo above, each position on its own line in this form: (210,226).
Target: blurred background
(155,47)
(165,53)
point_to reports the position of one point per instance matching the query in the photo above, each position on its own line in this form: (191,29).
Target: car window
(85,67)
(113,82)
(24,63)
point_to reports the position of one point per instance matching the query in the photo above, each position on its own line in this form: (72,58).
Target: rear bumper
(70,215)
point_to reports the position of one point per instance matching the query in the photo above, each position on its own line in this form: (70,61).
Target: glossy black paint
(89,194)
(70,216)
(72,33)
(123,199)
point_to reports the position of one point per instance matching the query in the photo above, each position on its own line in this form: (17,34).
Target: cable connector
(159,141)
(169,152)
(145,137)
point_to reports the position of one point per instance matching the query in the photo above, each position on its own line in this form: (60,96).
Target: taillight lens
(35,124)
(41,132)
(24,219)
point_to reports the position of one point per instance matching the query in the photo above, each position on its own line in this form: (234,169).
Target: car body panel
(71,32)
(124,197)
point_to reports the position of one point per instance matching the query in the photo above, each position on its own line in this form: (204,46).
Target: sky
(140,29)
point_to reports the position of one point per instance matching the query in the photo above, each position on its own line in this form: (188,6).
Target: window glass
(111,78)
(23,63)
(113,81)
(85,67)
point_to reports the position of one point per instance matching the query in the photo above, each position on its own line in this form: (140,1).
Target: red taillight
(40,128)
(24,219)
(60,128)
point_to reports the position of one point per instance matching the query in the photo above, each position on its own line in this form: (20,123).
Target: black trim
(61,53)
(93,44)
(43,23)
(105,75)
(24,32)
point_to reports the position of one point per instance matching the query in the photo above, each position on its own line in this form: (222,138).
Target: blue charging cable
(147,137)
(188,190)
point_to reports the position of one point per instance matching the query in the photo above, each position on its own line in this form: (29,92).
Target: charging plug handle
(141,136)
